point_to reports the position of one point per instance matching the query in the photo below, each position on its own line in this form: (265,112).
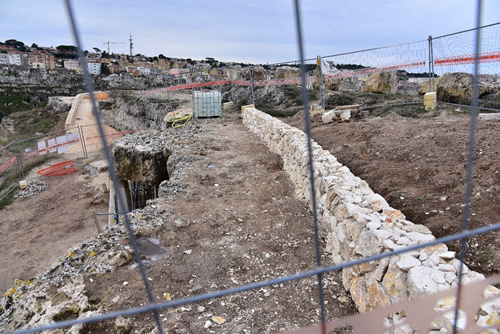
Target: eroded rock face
(286,72)
(142,157)
(384,83)
(457,88)
(258,74)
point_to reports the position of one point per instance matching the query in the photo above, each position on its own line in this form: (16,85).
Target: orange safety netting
(99,96)
(62,168)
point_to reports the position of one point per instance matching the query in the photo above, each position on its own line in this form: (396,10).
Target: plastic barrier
(62,168)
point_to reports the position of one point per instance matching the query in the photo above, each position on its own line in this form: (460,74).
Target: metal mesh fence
(411,56)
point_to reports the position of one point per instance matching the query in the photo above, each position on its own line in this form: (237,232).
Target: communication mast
(131,45)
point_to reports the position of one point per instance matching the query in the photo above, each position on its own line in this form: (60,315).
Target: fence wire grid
(461,52)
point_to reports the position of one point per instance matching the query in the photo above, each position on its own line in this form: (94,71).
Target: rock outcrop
(384,83)
(142,157)
(457,88)
(259,73)
(286,72)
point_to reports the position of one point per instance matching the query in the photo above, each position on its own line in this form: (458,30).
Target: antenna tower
(131,45)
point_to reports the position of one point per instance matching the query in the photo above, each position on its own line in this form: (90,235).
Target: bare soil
(418,163)
(237,222)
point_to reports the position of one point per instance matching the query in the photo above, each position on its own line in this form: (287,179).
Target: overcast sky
(257,31)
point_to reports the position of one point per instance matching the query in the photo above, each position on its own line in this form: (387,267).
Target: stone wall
(74,107)
(356,222)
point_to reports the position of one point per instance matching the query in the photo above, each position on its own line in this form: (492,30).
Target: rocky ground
(417,161)
(227,217)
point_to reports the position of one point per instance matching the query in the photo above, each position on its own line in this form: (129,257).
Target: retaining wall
(357,222)
(74,107)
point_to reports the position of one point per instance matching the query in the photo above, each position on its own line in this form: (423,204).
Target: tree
(15,43)
(34,46)
(161,56)
(105,69)
(97,50)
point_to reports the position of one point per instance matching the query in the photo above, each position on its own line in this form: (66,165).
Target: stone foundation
(357,222)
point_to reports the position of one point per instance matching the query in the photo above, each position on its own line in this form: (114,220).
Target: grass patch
(11,104)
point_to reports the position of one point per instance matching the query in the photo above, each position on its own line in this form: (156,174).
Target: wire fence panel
(455,52)
(449,53)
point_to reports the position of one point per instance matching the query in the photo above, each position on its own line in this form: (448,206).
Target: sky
(249,31)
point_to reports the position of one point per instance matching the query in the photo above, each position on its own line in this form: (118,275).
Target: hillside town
(52,60)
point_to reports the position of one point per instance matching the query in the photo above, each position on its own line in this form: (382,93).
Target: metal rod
(107,153)
(430,62)
(321,87)
(253,85)
(470,160)
(461,32)
(307,121)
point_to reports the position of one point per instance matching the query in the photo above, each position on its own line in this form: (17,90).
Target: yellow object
(430,101)
(182,121)
(23,184)
(248,106)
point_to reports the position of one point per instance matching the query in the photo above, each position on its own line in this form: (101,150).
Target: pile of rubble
(34,188)
(341,113)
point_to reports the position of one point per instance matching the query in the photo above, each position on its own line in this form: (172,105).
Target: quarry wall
(357,222)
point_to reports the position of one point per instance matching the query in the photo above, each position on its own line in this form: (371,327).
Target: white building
(144,70)
(71,64)
(4,59)
(94,66)
(15,59)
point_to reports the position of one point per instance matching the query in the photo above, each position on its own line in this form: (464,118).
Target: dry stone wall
(357,222)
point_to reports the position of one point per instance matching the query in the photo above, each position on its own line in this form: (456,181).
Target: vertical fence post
(80,134)
(20,161)
(232,86)
(431,46)
(251,79)
(430,63)
(17,162)
(321,87)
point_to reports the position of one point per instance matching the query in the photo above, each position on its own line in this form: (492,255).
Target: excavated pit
(141,165)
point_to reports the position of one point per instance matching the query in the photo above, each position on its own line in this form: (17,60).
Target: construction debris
(341,113)
(34,188)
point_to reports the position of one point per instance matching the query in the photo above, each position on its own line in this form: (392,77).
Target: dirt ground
(419,163)
(236,223)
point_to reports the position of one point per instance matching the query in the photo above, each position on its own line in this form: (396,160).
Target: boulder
(457,88)
(384,83)
(286,72)
(259,73)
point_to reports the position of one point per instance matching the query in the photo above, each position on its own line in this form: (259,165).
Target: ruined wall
(357,222)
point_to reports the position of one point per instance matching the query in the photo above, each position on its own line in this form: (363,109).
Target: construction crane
(108,43)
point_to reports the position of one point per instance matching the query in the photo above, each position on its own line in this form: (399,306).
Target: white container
(207,103)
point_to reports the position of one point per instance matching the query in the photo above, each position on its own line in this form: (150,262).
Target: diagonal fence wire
(107,152)
(154,307)
(470,161)
(307,121)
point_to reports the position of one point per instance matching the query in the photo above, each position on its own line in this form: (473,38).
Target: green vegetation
(11,104)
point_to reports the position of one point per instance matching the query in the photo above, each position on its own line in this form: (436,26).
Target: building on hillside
(94,66)
(4,59)
(73,65)
(15,59)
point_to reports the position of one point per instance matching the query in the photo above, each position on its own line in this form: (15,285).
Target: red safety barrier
(487,57)
(7,164)
(62,168)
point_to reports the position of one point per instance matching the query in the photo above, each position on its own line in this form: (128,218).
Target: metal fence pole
(232,86)
(251,79)
(20,161)
(82,143)
(430,63)
(321,87)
